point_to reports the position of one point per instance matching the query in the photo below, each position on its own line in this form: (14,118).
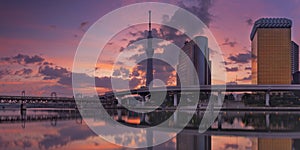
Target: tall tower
(271,51)
(149,52)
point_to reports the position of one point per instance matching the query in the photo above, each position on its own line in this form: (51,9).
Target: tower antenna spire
(150,30)
(149,20)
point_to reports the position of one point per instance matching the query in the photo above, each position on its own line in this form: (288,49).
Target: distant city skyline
(39,40)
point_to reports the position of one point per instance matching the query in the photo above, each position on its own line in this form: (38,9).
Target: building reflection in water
(64,129)
(188,141)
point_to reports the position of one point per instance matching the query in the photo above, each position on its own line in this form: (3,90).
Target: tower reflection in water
(41,129)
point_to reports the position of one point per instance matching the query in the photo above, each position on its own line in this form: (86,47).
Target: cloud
(135,73)
(23,59)
(200,8)
(27,143)
(4,72)
(161,70)
(24,71)
(242,58)
(249,22)
(122,49)
(246,78)
(117,72)
(135,82)
(230,43)
(134,33)
(167,33)
(83,25)
(170,34)
(53,72)
(248,68)
(124,73)
(141,35)
(47,63)
(233,69)
(28,60)
(64,77)
(61,76)
(225,62)
(105,82)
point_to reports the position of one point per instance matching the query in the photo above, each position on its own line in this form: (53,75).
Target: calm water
(64,129)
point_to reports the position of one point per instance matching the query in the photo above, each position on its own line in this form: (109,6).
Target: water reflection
(65,129)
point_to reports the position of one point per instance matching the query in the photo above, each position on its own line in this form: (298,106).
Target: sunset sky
(38,40)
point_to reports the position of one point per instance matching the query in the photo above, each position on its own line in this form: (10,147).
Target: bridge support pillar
(267,98)
(219,98)
(175,99)
(268,121)
(119,115)
(149,138)
(143,101)
(175,117)
(219,121)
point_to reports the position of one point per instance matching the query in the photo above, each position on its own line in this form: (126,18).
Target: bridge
(107,98)
(175,90)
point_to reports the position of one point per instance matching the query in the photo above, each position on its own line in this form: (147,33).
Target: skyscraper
(271,51)
(149,52)
(199,55)
(295,63)
(295,57)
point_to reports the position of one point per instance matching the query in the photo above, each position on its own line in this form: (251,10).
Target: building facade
(295,57)
(199,55)
(271,51)
(296,78)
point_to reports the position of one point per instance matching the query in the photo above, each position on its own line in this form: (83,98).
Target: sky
(38,41)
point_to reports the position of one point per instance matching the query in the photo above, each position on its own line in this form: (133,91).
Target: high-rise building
(199,56)
(296,78)
(271,51)
(295,57)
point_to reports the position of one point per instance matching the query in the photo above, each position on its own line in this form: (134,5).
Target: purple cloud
(24,71)
(230,43)
(233,69)
(242,58)
(23,59)
(4,73)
